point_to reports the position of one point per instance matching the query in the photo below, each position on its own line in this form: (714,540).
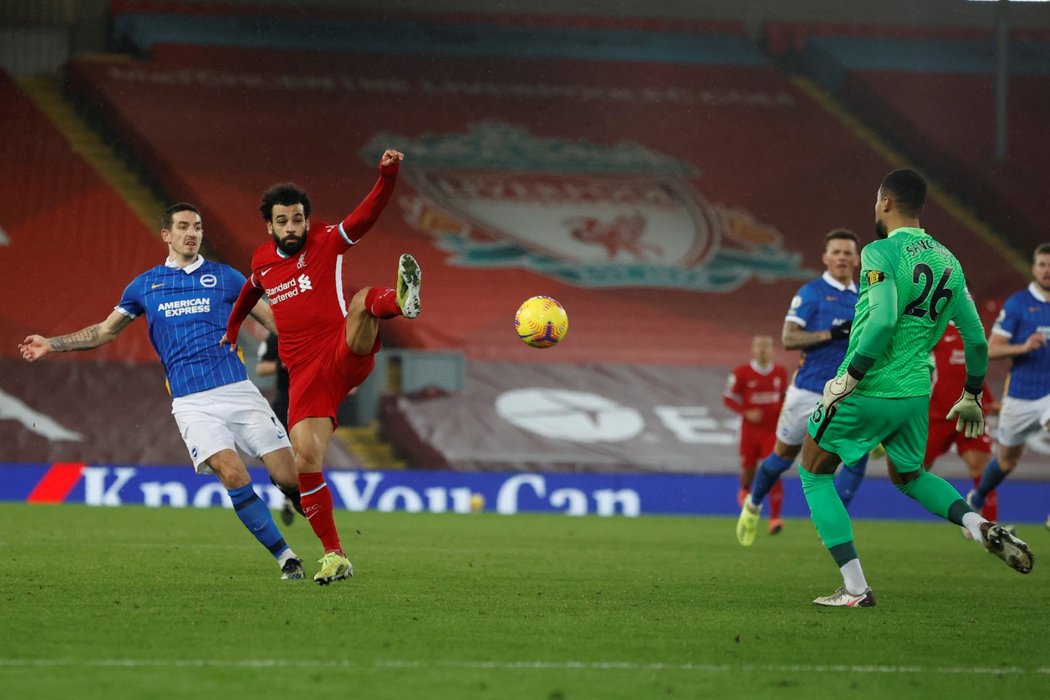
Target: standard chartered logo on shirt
(289,289)
(200,305)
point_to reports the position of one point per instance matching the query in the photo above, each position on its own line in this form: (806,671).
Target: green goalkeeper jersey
(911,286)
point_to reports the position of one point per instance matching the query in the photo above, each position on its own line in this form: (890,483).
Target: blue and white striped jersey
(819,305)
(187,309)
(1023,314)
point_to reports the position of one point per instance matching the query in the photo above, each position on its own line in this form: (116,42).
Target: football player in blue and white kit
(818,323)
(1020,333)
(186,302)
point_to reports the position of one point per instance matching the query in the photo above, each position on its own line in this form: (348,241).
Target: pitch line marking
(524,665)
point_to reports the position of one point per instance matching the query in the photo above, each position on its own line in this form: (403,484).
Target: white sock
(972,522)
(285,556)
(853,577)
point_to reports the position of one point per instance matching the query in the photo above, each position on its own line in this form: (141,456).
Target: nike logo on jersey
(159,284)
(263,273)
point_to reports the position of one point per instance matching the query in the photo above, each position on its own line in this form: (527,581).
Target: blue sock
(992,477)
(768,473)
(847,481)
(256,516)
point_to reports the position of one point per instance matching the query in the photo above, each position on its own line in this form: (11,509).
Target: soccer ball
(541,322)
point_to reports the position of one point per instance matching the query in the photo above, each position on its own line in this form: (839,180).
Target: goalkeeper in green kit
(911,286)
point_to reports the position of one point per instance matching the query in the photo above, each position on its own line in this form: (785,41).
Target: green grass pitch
(163,603)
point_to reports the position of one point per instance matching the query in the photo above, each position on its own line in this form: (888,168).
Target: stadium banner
(629,495)
(594,418)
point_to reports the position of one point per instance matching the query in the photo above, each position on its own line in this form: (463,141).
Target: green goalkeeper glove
(970,414)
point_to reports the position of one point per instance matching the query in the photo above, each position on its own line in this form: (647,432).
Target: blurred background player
(186,302)
(327,345)
(911,287)
(270,365)
(756,391)
(949,379)
(818,322)
(1020,334)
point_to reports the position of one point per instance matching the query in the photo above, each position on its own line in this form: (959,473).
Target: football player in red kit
(327,344)
(948,379)
(756,391)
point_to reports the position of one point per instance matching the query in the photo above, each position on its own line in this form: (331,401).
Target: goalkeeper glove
(838,388)
(840,331)
(970,414)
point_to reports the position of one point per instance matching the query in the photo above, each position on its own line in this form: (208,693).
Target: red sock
(776,499)
(317,504)
(382,303)
(990,510)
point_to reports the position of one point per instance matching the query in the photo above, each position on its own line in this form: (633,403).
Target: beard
(880,229)
(290,245)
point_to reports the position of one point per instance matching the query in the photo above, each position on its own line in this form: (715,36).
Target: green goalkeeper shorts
(858,423)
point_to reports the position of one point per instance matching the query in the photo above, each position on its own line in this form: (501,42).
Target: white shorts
(1020,418)
(798,406)
(225,418)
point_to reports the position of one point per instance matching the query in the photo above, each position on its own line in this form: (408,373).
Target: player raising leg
(327,344)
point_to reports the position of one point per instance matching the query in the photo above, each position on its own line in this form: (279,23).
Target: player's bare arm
(262,313)
(999,346)
(34,347)
(795,337)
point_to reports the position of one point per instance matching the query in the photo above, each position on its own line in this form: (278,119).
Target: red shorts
(755,445)
(318,386)
(943,435)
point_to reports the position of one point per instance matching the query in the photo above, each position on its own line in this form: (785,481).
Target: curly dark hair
(286,194)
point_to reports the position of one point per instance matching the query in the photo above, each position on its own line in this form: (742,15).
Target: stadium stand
(729,227)
(911,85)
(54,200)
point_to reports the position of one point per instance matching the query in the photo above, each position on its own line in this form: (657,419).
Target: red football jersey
(306,289)
(748,388)
(949,374)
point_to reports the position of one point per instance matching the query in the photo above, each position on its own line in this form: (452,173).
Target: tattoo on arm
(794,338)
(84,339)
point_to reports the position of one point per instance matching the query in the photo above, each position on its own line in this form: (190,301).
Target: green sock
(936,495)
(826,510)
